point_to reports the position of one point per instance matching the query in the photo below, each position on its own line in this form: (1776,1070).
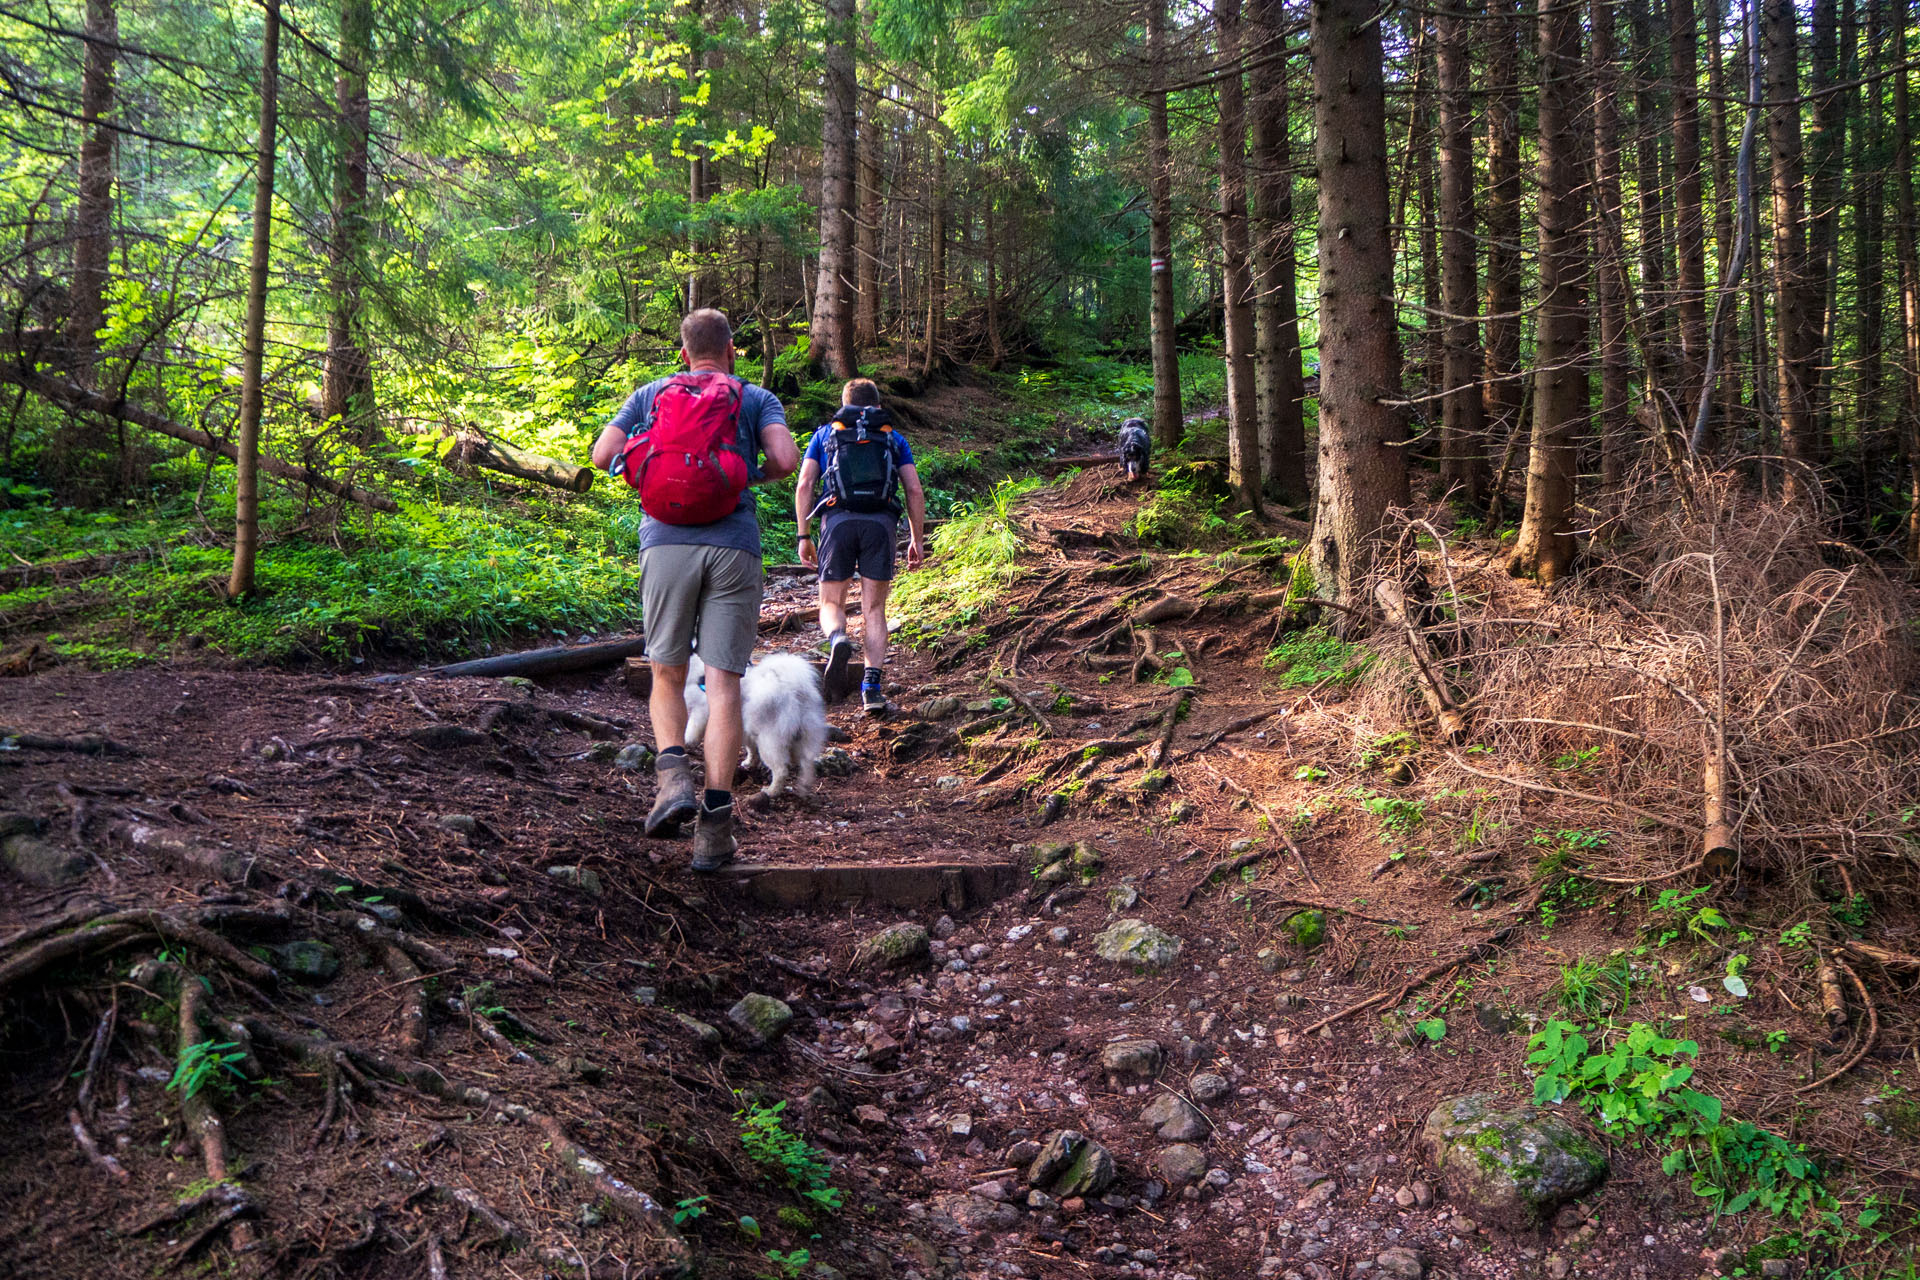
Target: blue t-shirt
(740,530)
(817,452)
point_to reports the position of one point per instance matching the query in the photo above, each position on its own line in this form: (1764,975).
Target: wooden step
(950,886)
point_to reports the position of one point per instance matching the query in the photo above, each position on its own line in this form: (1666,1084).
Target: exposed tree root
(1880,955)
(1025,703)
(201,1118)
(91,1149)
(92,744)
(413,1007)
(1162,746)
(1866,1042)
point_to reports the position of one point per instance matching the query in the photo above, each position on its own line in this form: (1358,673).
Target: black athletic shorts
(854,543)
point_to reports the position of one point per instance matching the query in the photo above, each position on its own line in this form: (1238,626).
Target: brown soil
(335,789)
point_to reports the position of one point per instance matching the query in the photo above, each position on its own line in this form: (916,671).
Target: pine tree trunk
(1363,469)
(1794,353)
(246,496)
(1826,148)
(93,215)
(1504,385)
(1280,387)
(1905,235)
(1544,549)
(937,246)
(1243,427)
(1616,355)
(1463,417)
(346,389)
(1167,423)
(1727,392)
(1689,204)
(832,346)
(866,318)
(1649,131)
(1869,220)
(996,344)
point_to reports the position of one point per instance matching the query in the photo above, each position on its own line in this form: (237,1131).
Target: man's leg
(833,607)
(873,618)
(724,730)
(669,592)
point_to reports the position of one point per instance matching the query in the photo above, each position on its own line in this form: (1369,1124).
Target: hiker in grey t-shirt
(705,580)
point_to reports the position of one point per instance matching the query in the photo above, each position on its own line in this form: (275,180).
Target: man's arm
(612,440)
(809,550)
(916,515)
(783,456)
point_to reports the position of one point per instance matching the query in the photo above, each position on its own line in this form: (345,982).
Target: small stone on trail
(307,960)
(464,824)
(760,1019)
(870,1116)
(1181,1164)
(1775,1269)
(950,782)
(977,1214)
(1518,1165)
(635,755)
(1557,1267)
(994,1189)
(1402,1264)
(1175,1119)
(40,864)
(961,1125)
(1041,1202)
(1060,936)
(1022,1152)
(944,928)
(1422,1193)
(1242,845)
(1210,1088)
(1071,1164)
(1122,897)
(706,1035)
(1404,1197)
(896,946)
(1183,811)
(1134,941)
(583,878)
(1136,1057)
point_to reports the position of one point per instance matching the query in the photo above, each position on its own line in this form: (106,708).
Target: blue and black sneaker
(873,697)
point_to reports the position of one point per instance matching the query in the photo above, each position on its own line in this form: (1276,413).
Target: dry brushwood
(1477,951)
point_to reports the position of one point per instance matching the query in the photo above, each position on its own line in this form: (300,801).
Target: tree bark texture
(1727,392)
(1243,427)
(1649,132)
(866,317)
(834,288)
(1544,549)
(1826,149)
(1362,461)
(1616,353)
(1504,386)
(1794,338)
(1908,253)
(1869,221)
(1689,201)
(246,495)
(937,245)
(1463,416)
(1167,423)
(346,388)
(93,216)
(1280,387)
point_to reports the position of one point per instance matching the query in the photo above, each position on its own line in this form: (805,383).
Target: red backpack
(687,464)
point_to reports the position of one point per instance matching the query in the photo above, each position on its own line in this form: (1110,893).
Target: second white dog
(784,715)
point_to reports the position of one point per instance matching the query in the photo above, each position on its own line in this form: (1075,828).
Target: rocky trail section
(461,1019)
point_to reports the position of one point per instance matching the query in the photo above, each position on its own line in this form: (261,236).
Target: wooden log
(1719,846)
(69,396)
(558,660)
(497,455)
(1453,722)
(638,674)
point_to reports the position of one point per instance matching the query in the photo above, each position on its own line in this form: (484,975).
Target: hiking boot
(713,842)
(873,700)
(673,802)
(833,682)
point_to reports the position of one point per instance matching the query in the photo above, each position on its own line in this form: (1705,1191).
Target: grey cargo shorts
(701,598)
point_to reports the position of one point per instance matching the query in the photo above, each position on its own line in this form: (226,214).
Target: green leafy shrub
(801,1165)
(1307,657)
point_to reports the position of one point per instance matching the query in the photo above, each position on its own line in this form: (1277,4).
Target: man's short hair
(706,335)
(860,391)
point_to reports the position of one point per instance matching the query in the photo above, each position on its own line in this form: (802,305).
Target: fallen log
(558,660)
(69,396)
(497,455)
(1453,722)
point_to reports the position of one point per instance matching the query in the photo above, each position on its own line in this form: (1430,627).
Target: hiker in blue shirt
(867,467)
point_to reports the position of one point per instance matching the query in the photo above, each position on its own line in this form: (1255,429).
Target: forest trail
(469,852)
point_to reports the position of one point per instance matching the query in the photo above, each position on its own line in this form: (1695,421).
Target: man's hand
(914,553)
(809,554)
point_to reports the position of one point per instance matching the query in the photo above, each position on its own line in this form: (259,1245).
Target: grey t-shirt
(759,409)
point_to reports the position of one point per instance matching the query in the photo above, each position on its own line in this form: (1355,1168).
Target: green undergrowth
(1314,654)
(976,554)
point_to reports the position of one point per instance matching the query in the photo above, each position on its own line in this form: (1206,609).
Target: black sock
(873,676)
(715,801)
(673,751)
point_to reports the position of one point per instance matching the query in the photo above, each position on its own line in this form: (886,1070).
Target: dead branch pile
(1727,690)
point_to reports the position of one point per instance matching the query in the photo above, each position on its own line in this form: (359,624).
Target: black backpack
(860,474)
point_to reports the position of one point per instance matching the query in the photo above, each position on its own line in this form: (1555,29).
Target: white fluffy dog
(784,715)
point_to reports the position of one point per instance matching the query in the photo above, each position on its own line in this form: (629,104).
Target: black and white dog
(1136,445)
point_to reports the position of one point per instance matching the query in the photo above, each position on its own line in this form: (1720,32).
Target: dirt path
(487,831)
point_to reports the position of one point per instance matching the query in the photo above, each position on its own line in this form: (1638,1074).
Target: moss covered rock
(894,947)
(1305,929)
(760,1019)
(1071,1164)
(1514,1165)
(1134,941)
